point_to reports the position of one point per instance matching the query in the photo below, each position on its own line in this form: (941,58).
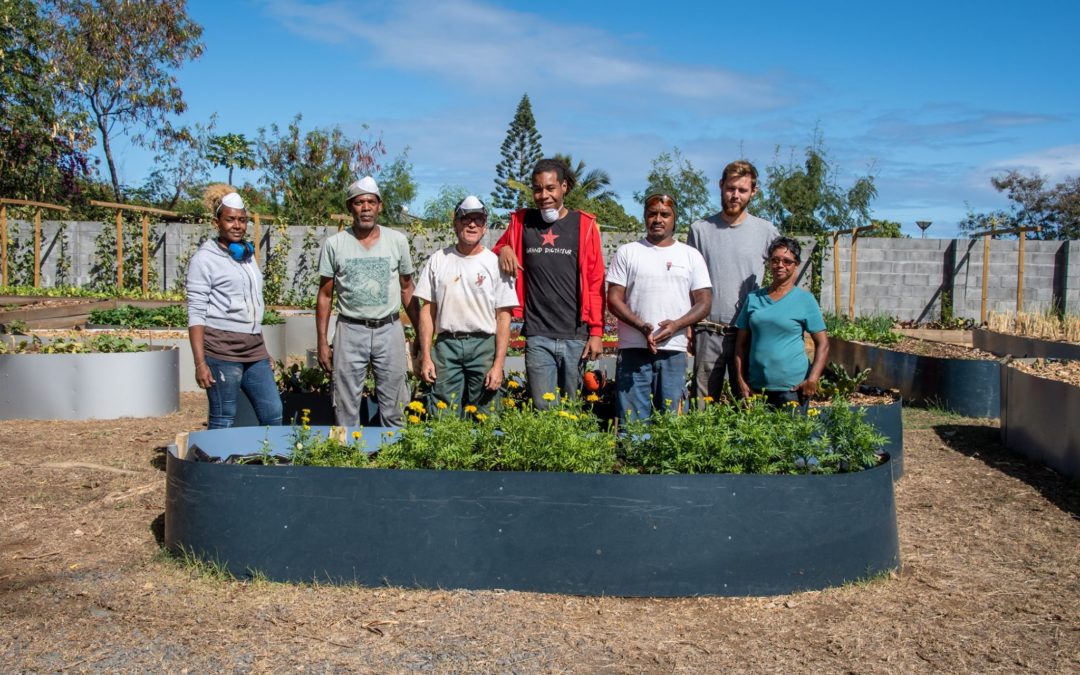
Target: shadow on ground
(984,443)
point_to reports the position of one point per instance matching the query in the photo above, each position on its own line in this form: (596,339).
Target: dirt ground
(990,582)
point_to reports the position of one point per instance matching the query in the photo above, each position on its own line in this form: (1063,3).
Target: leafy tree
(886,229)
(1055,209)
(612,216)
(306,173)
(592,192)
(439,210)
(120,58)
(232,151)
(42,140)
(398,189)
(520,151)
(181,168)
(675,175)
(806,199)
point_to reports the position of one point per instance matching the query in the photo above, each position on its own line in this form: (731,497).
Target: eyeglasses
(786,262)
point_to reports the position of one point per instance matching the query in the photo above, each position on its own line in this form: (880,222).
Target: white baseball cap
(364,186)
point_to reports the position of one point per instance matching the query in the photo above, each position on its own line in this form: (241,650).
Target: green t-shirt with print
(366,279)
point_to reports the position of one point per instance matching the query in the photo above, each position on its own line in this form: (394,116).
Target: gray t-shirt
(735,256)
(366,279)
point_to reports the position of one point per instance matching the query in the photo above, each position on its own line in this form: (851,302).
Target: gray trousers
(356,346)
(714,357)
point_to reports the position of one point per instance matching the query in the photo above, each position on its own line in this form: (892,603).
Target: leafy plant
(101,344)
(877,328)
(297,379)
(309,448)
(168,316)
(836,382)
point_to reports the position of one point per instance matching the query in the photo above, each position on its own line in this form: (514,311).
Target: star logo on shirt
(549,238)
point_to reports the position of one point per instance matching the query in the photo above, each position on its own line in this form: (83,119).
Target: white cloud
(1055,163)
(478,46)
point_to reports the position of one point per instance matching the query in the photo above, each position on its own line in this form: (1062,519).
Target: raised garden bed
(966,386)
(1019,346)
(629,535)
(1037,415)
(89,386)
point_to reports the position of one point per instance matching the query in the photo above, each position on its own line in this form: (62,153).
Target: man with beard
(371,269)
(467,305)
(555,252)
(734,245)
(657,287)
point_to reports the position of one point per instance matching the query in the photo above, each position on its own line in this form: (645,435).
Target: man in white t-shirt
(467,307)
(656,288)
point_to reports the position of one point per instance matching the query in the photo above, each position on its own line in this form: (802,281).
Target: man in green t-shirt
(371,270)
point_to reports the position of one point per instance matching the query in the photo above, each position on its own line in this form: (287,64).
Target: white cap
(470,204)
(364,186)
(231,200)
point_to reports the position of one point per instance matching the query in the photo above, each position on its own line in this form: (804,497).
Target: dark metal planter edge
(1035,414)
(1021,347)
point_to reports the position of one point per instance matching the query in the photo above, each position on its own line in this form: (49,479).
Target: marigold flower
(307,428)
(813,412)
(481,417)
(509,403)
(470,409)
(306,411)
(708,399)
(414,419)
(549,396)
(441,405)
(513,384)
(416,406)
(592,398)
(792,404)
(356,435)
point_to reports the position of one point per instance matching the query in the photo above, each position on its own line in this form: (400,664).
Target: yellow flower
(307,428)
(481,417)
(414,419)
(417,406)
(441,405)
(513,384)
(389,434)
(813,412)
(792,404)
(509,403)
(549,396)
(592,398)
(470,409)
(356,435)
(708,399)
(306,411)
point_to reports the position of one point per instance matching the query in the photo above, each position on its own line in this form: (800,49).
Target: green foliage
(99,344)
(674,175)
(750,437)
(309,448)
(885,229)
(398,189)
(439,210)
(297,379)
(1032,202)
(275,272)
(611,215)
(81,292)
(876,329)
(836,382)
(520,151)
(103,270)
(120,60)
(232,151)
(306,173)
(592,194)
(130,316)
(807,199)
(42,139)
(180,169)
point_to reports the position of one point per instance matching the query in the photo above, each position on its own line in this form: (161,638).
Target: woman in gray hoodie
(225,310)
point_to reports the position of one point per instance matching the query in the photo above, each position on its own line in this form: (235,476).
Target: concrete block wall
(905,278)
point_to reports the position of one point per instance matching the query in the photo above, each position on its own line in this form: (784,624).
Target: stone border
(89,386)
(967,387)
(1037,419)
(1017,346)
(651,535)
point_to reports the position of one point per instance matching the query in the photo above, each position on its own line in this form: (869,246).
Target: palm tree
(593,185)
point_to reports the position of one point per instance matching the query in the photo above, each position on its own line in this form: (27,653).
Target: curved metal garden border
(965,386)
(89,386)
(652,535)
(1035,419)
(1021,347)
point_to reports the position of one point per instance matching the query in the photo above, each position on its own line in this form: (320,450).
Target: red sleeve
(592,308)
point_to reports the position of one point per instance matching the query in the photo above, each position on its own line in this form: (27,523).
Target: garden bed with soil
(1023,346)
(1039,401)
(990,577)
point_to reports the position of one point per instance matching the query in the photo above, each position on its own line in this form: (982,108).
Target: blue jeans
(256,379)
(552,366)
(645,382)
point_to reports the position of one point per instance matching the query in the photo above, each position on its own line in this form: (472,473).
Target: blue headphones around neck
(241,251)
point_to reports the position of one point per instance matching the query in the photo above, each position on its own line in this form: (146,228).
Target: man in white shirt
(467,308)
(657,287)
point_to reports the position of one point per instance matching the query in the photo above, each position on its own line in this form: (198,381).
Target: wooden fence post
(836,271)
(3,244)
(37,235)
(119,250)
(37,247)
(1021,231)
(146,211)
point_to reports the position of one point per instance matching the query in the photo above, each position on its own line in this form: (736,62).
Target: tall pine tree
(520,151)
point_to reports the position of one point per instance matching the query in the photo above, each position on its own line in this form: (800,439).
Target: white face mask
(549,215)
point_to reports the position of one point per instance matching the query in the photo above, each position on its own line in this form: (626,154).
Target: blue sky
(933,98)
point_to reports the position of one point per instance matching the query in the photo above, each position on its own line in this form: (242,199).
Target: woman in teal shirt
(770,356)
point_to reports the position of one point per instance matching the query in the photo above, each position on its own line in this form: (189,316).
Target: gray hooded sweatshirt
(223,293)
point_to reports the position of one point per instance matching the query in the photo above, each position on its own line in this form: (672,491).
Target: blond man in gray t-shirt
(734,245)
